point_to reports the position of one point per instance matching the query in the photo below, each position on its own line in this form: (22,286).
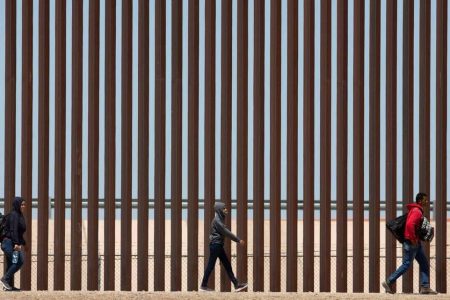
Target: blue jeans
(411,252)
(217,251)
(8,249)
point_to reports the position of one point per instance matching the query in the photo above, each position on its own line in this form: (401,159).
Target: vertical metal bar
(374,149)
(177,51)
(93,144)
(77,123)
(125,217)
(10,107)
(342,142)
(275,144)
(258,148)
(210,128)
(143,145)
(60,143)
(308,142)
(242,138)
(110,144)
(10,104)
(424,111)
(358,148)
(292,146)
(193,146)
(27,115)
(408,115)
(225,160)
(43,140)
(160,144)
(325,145)
(391,130)
(441,146)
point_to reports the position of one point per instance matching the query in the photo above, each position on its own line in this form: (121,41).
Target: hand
(242,242)
(17,248)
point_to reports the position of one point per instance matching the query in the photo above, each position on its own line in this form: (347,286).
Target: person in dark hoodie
(217,234)
(412,248)
(14,241)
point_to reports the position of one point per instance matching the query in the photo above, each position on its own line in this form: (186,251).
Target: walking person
(217,234)
(412,248)
(13,242)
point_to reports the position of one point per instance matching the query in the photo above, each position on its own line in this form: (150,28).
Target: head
(19,204)
(422,199)
(220,209)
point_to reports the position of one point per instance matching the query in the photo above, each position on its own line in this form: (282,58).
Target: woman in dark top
(14,242)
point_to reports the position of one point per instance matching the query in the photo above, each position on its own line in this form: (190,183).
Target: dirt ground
(188,295)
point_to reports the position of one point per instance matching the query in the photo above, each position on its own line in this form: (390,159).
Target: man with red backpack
(412,248)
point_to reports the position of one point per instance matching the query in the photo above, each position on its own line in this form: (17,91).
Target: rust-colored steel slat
(358,147)
(308,151)
(342,140)
(210,128)
(10,107)
(325,146)
(176,229)
(258,148)
(242,138)
(374,149)
(193,59)
(93,145)
(43,144)
(110,145)
(77,123)
(225,153)
(440,210)
(143,145)
(275,145)
(60,145)
(27,123)
(408,119)
(125,216)
(160,144)
(10,103)
(391,130)
(424,107)
(292,147)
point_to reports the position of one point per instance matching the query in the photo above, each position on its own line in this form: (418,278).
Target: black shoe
(205,289)
(6,286)
(388,287)
(14,289)
(240,287)
(427,291)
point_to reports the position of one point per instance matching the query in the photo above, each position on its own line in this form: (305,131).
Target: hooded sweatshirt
(16,223)
(218,230)
(413,221)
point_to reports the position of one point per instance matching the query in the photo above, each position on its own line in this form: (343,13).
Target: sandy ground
(187,295)
(233,251)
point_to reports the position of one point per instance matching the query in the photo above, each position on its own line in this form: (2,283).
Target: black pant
(217,251)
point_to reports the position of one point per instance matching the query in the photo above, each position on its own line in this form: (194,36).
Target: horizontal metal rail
(151,203)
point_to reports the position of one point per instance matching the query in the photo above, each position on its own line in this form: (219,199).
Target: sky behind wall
(218,86)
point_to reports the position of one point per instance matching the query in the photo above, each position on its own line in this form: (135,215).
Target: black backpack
(397,227)
(3,226)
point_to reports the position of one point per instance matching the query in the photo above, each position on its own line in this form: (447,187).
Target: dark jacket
(413,221)
(218,230)
(16,223)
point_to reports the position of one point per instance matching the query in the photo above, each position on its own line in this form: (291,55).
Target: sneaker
(240,287)
(428,291)
(14,289)
(6,286)
(387,287)
(205,289)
